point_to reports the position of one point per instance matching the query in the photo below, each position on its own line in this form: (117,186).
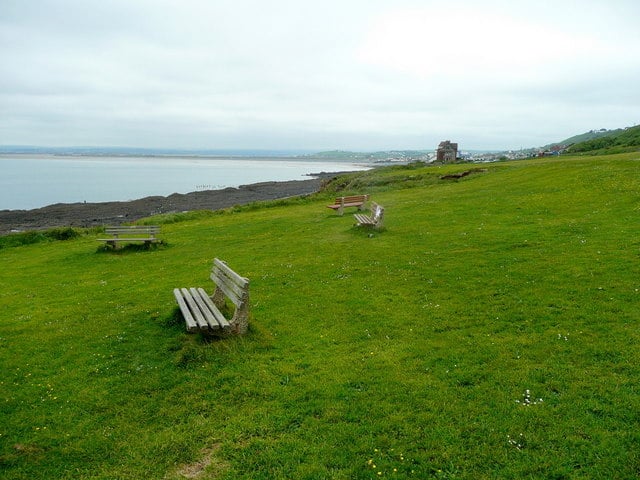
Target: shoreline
(87,215)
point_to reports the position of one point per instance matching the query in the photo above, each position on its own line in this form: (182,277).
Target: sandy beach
(116,213)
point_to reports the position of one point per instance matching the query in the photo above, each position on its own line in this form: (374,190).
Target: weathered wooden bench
(374,220)
(357,201)
(202,313)
(133,233)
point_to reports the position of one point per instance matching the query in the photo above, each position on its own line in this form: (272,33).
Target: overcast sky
(317,75)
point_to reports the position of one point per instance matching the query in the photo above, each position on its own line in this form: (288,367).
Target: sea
(29,181)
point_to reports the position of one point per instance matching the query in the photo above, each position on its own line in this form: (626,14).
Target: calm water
(32,181)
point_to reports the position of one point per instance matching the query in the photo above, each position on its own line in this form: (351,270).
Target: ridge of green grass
(490,331)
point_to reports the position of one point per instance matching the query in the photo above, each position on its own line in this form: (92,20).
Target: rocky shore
(116,213)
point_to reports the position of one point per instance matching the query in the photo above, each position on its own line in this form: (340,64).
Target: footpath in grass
(489,331)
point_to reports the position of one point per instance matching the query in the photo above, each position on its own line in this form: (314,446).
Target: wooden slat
(356,199)
(233,285)
(377,213)
(129,232)
(222,322)
(193,306)
(192,326)
(130,235)
(230,290)
(132,230)
(349,201)
(235,293)
(242,281)
(363,219)
(121,239)
(133,227)
(239,284)
(204,309)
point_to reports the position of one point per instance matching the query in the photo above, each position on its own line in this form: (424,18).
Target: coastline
(87,215)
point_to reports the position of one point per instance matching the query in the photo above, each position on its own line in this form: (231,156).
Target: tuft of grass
(488,332)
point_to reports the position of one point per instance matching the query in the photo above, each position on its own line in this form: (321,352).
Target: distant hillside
(590,135)
(613,141)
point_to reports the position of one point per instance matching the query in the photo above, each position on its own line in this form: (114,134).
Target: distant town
(446,152)
(598,140)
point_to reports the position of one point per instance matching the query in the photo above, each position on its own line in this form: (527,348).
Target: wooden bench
(352,201)
(202,313)
(134,233)
(374,220)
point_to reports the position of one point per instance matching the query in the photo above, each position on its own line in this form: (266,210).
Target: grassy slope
(618,141)
(411,349)
(583,137)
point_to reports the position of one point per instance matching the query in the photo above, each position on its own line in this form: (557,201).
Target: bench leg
(240,321)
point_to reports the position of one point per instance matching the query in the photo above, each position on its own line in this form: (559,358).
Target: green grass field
(491,330)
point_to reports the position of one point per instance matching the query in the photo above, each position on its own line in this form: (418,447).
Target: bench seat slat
(208,315)
(195,310)
(346,204)
(335,207)
(364,219)
(192,326)
(220,320)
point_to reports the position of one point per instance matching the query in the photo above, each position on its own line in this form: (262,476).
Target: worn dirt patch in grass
(207,467)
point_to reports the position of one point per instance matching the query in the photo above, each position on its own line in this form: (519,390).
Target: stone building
(447,152)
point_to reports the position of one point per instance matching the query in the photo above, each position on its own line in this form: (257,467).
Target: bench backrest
(351,199)
(235,287)
(377,212)
(133,230)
